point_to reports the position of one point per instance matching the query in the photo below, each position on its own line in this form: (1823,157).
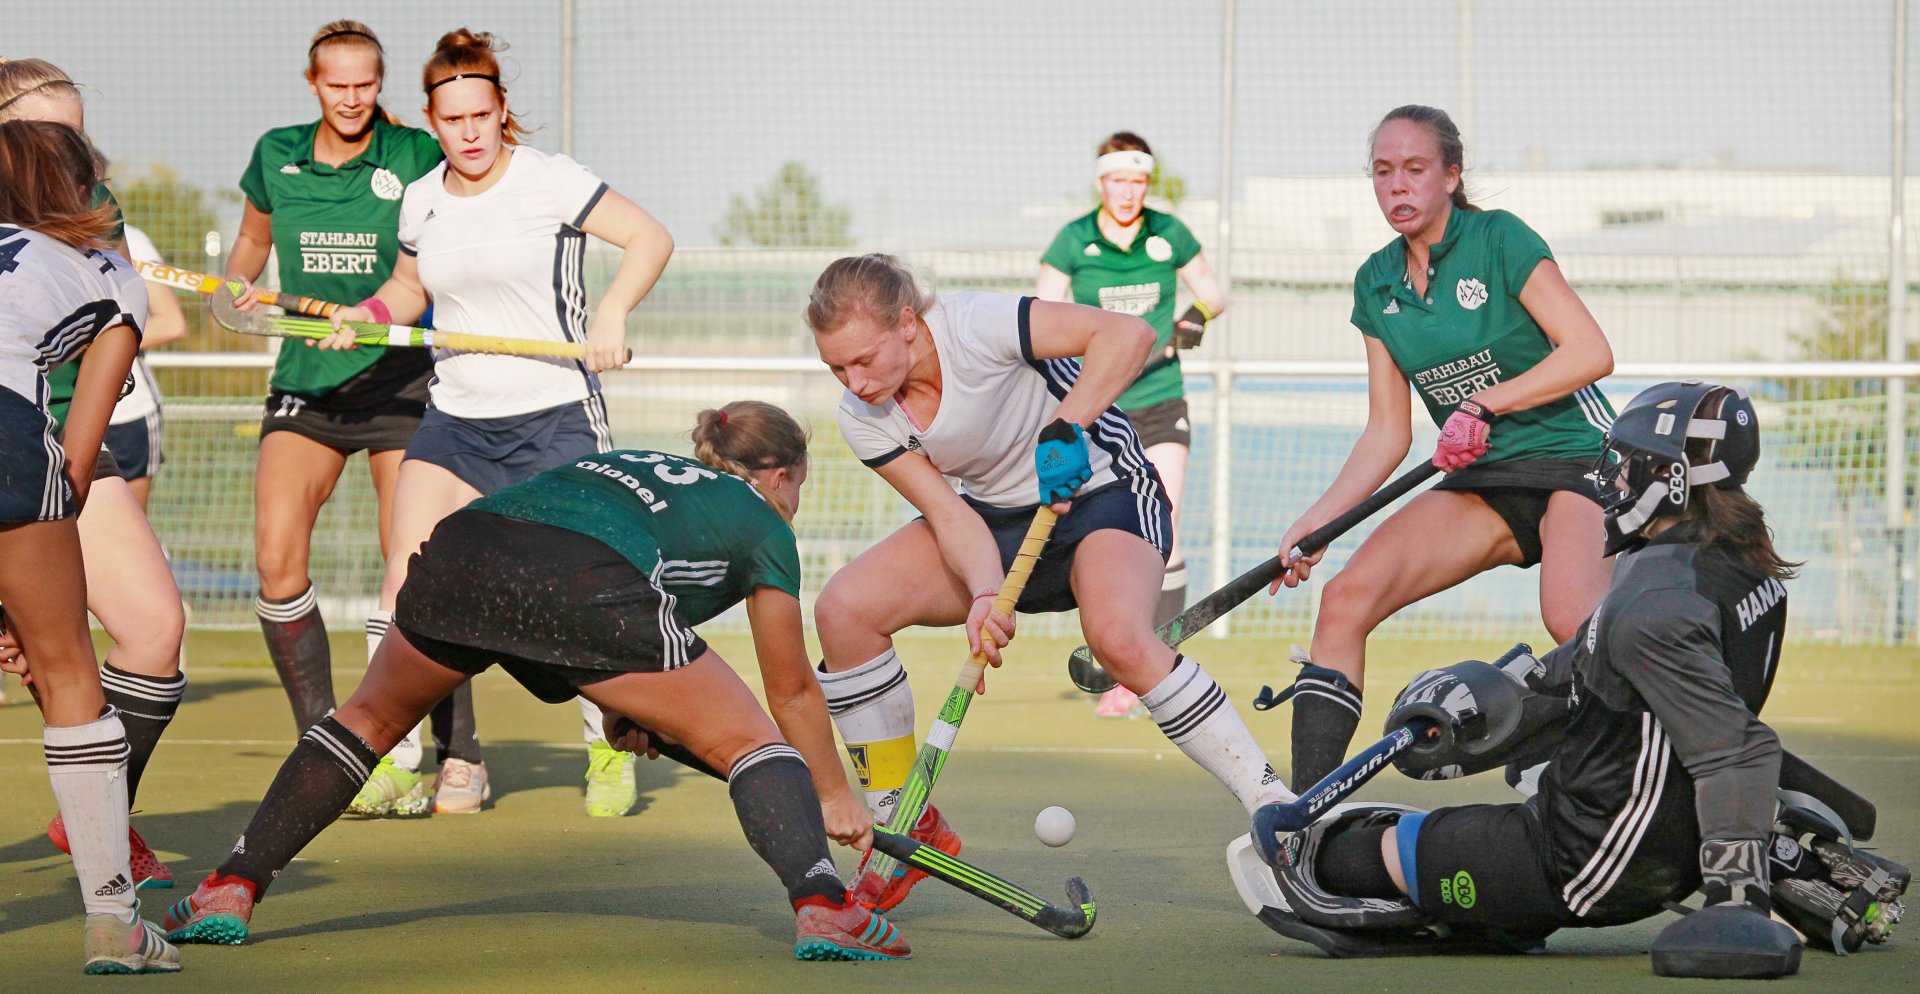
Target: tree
(789,212)
(1832,424)
(175,214)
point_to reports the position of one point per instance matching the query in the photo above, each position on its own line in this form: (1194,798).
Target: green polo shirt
(1137,280)
(1469,332)
(708,538)
(335,230)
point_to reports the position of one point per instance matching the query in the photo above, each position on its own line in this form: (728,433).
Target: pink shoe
(1119,703)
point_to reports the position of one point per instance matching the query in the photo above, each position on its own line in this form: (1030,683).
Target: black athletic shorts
(1112,505)
(377,410)
(136,446)
(1484,864)
(1518,492)
(105,466)
(1162,424)
(33,482)
(554,608)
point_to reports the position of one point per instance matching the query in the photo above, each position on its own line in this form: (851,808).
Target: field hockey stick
(1272,821)
(370,333)
(201,283)
(1090,677)
(1068,922)
(933,752)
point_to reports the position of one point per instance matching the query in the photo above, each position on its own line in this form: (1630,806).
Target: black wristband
(1477,409)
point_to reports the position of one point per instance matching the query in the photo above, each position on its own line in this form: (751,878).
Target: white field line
(1039,750)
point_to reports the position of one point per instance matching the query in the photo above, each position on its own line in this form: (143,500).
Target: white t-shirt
(54,299)
(995,397)
(145,396)
(507,261)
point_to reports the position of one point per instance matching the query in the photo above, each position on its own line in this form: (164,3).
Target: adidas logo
(240,846)
(290,169)
(913,443)
(118,885)
(824,866)
(1269,778)
(1090,250)
(429,216)
(1393,307)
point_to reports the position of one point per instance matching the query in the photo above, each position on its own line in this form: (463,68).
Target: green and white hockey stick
(1068,922)
(370,333)
(934,751)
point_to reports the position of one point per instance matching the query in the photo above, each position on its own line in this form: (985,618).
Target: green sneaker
(611,791)
(392,792)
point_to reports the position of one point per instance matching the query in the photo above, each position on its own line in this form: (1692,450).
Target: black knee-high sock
(146,705)
(455,734)
(297,642)
(1350,864)
(1326,710)
(774,797)
(1173,593)
(315,784)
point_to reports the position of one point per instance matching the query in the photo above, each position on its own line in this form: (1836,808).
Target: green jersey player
(1469,308)
(324,197)
(1123,256)
(588,579)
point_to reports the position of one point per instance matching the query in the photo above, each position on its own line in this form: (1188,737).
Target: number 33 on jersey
(707,537)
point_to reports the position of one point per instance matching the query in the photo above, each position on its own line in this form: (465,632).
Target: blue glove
(1060,461)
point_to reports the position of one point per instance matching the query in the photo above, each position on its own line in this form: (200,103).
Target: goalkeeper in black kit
(1659,777)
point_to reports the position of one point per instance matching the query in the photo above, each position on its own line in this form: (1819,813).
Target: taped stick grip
(1004,603)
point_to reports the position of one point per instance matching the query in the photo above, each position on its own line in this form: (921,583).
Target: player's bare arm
(645,247)
(1581,355)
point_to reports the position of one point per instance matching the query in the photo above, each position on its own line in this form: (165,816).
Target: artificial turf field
(533,894)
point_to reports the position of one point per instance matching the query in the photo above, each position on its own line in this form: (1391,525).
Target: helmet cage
(1644,473)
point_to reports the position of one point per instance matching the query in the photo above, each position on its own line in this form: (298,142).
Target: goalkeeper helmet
(1670,439)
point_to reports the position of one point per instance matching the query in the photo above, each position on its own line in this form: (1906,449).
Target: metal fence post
(1896,427)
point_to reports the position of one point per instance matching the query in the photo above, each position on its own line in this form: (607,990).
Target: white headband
(1130,160)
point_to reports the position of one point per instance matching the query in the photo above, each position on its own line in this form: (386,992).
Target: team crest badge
(1471,293)
(1091,250)
(386,185)
(1159,249)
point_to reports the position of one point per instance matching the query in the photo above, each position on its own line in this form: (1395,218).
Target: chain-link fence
(1714,178)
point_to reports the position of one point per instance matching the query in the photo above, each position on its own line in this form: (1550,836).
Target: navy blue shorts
(136,446)
(490,453)
(1112,505)
(33,467)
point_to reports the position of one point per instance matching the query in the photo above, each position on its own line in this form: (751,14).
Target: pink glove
(1464,437)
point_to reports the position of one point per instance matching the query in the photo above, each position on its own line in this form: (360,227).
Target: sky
(936,122)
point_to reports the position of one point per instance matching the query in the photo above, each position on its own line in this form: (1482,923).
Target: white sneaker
(113,946)
(461,788)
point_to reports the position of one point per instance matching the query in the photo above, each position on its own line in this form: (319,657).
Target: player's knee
(840,611)
(1348,604)
(1131,656)
(149,644)
(282,570)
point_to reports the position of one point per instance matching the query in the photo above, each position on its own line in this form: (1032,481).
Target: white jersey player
(54,301)
(981,388)
(495,238)
(61,293)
